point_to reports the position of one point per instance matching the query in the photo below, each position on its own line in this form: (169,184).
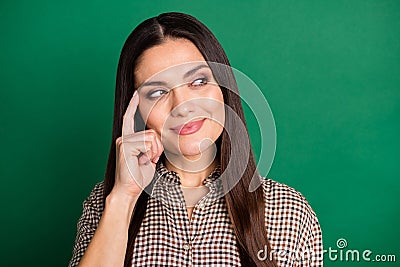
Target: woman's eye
(156,93)
(199,82)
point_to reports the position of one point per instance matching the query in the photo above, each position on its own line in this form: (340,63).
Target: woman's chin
(193,150)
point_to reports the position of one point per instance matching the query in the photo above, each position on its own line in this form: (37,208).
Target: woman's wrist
(122,197)
(121,204)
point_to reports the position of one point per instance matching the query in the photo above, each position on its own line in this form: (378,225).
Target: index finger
(128,124)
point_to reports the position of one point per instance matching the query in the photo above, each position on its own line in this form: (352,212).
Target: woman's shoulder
(286,209)
(98,190)
(291,222)
(95,198)
(279,195)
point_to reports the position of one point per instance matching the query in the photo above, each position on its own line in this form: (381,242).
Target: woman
(174,194)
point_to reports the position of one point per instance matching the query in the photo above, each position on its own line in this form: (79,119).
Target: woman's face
(179,97)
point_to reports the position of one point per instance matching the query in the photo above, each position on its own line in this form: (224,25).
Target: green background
(329,69)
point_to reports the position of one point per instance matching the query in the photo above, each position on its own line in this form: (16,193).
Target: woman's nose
(182,103)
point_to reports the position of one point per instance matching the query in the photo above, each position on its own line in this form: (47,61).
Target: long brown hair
(246,210)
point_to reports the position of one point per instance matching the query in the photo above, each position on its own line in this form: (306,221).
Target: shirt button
(186,246)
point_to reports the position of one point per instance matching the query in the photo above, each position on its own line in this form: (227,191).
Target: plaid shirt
(167,237)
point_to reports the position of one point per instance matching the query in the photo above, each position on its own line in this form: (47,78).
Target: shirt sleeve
(87,223)
(293,228)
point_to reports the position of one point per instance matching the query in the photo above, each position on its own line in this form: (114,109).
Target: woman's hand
(136,155)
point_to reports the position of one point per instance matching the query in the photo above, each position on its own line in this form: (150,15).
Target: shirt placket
(181,217)
(188,228)
(193,225)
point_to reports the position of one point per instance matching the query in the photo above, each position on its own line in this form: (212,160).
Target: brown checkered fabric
(168,238)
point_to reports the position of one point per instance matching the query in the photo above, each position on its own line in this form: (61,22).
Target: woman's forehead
(172,56)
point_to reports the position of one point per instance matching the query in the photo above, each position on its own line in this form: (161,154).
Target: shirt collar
(173,177)
(167,186)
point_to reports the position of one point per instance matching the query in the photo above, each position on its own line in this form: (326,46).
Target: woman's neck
(192,172)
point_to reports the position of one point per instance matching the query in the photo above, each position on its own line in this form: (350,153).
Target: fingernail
(156,159)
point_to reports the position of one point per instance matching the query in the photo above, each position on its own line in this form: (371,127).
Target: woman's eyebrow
(161,83)
(152,83)
(192,71)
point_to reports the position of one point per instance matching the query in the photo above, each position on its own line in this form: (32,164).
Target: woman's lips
(188,128)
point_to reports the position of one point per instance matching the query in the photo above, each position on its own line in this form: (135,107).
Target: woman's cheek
(147,114)
(156,122)
(216,108)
